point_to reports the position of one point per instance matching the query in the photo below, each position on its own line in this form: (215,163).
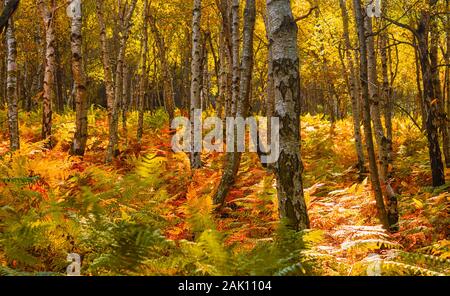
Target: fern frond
(369,244)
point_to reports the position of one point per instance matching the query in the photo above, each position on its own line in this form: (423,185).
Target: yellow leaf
(418,203)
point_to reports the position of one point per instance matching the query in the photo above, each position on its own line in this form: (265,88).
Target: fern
(368,245)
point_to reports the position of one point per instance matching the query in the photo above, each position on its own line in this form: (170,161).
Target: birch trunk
(235,45)
(11,86)
(47,12)
(143,81)
(81,106)
(113,149)
(233,160)
(222,74)
(196,76)
(374,99)
(282,31)
(391,197)
(375,179)
(106,60)
(166,74)
(353,89)
(125,100)
(387,97)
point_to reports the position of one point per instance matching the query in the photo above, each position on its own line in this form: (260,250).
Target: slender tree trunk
(222,74)
(374,99)
(113,149)
(359,17)
(391,197)
(282,31)
(81,106)
(166,74)
(144,79)
(447,69)
(353,90)
(125,99)
(233,160)
(196,75)
(431,109)
(434,61)
(106,60)
(206,101)
(11,89)
(387,97)
(59,73)
(48,12)
(420,95)
(235,45)
(225,45)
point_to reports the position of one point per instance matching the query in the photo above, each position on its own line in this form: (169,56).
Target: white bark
(80,137)
(196,77)
(11,86)
(48,9)
(282,31)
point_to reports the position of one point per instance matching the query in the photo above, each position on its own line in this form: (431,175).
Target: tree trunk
(387,97)
(235,45)
(106,60)
(196,76)
(434,61)
(353,90)
(391,197)
(113,149)
(225,45)
(143,82)
(11,88)
(81,106)
(374,99)
(49,76)
(431,109)
(447,69)
(125,99)
(420,95)
(223,92)
(166,74)
(375,180)
(282,31)
(233,160)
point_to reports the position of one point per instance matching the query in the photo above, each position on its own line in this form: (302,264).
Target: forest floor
(341,206)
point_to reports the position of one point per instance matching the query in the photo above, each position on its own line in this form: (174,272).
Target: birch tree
(282,32)
(81,106)
(374,99)
(165,67)
(48,9)
(114,88)
(143,80)
(245,70)
(196,77)
(125,24)
(11,85)
(364,78)
(106,61)
(353,89)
